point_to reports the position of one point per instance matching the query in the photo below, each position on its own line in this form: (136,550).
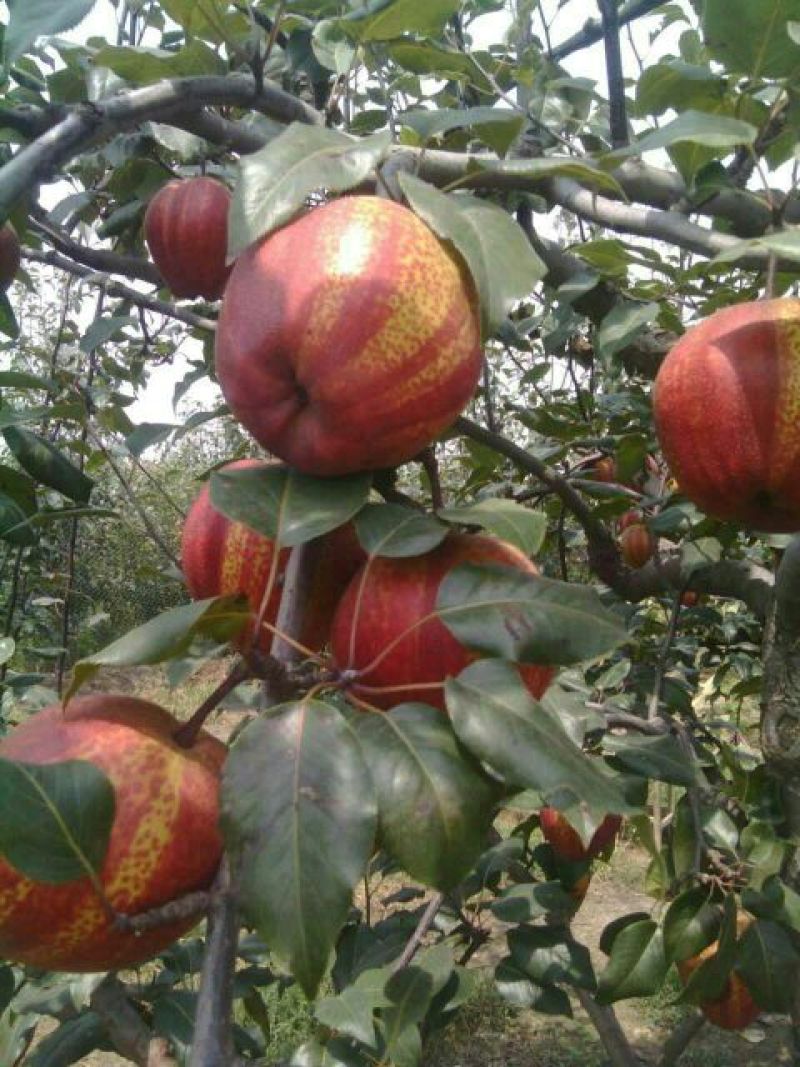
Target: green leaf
(275,182)
(147,434)
(695,127)
(426,57)
(285,505)
(582,171)
(550,954)
(499,256)
(435,805)
(691,923)
(70,1042)
(66,411)
(785,244)
(621,325)
(769,964)
(430,123)
(525,618)
(141,66)
(410,992)
(750,38)
(8,985)
(47,465)
(513,522)
(519,990)
(7,646)
(16,379)
(166,636)
(30,19)
(661,758)
(104,329)
(523,903)
(394,531)
(351,1013)
(383,21)
(676,85)
(15,520)
(298,807)
(498,720)
(637,967)
(8,320)
(710,978)
(57,819)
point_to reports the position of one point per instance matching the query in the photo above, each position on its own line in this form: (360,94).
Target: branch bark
(592,31)
(618,119)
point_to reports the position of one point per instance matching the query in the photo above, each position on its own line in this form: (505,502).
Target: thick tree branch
(605,1022)
(89,124)
(117,289)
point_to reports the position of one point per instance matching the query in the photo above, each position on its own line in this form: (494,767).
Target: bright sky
(155,403)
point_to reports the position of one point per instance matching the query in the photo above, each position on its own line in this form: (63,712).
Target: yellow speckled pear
(164,841)
(349,339)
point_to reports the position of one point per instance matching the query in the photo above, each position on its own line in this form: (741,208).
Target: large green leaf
(637,967)
(384,20)
(521,991)
(513,522)
(285,505)
(410,993)
(691,923)
(429,123)
(30,19)
(17,379)
(47,465)
(700,127)
(143,65)
(299,812)
(751,38)
(661,758)
(166,636)
(71,1041)
(435,804)
(499,256)
(392,530)
(581,170)
(521,617)
(621,325)
(677,85)
(16,510)
(769,964)
(57,819)
(7,646)
(104,329)
(550,954)
(427,57)
(498,720)
(275,182)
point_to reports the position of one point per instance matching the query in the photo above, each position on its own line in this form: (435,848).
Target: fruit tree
(435,368)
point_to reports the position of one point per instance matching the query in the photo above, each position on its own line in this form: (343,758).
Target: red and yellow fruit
(633,517)
(566,841)
(605,469)
(636,544)
(727,414)
(9,255)
(383,627)
(222,558)
(734,1008)
(186,229)
(349,339)
(164,842)
(690,599)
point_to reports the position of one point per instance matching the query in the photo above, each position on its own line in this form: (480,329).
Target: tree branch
(117,289)
(128,1031)
(618,120)
(98,259)
(87,124)
(605,1022)
(592,31)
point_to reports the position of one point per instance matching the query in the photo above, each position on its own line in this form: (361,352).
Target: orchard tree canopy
(456,243)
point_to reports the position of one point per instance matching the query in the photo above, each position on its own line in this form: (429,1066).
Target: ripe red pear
(164,841)
(221,557)
(726,403)
(381,615)
(186,229)
(349,339)
(637,545)
(9,255)
(566,841)
(734,1008)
